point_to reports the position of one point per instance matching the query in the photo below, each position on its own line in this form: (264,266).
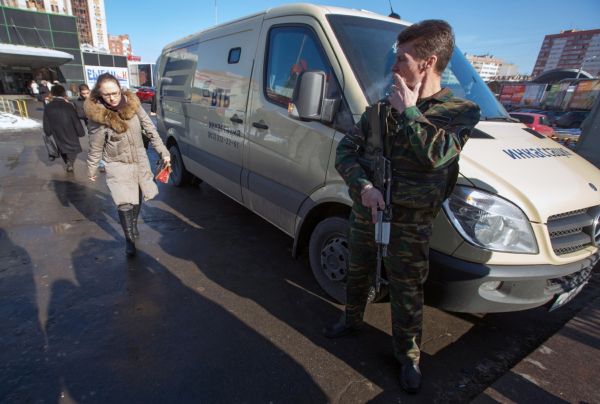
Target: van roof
(287,10)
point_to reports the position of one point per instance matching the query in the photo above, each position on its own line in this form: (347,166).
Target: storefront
(20,64)
(38,46)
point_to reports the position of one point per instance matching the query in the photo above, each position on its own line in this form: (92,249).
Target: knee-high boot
(136,213)
(126,218)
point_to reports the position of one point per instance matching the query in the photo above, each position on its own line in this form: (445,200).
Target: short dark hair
(83,87)
(95,94)
(430,37)
(58,91)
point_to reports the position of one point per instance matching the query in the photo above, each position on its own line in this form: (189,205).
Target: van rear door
(286,159)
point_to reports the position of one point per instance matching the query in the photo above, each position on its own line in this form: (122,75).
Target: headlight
(489,221)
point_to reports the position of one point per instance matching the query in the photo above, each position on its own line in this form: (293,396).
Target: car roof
(526,113)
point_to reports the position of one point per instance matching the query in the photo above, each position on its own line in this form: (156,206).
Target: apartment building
(119,45)
(488,66)
(571,49)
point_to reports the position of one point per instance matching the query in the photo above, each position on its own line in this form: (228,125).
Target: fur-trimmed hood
(117,121)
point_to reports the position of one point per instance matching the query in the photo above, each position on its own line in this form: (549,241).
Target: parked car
(553,115)
(537,122)
(145,94)
(572,119)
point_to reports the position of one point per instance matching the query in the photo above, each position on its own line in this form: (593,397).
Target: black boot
(136,213)
(410,378)
(126,218)
(340,329)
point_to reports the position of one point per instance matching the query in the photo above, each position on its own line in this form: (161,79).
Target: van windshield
(369,46)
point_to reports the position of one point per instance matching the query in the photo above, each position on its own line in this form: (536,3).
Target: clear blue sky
(509,29)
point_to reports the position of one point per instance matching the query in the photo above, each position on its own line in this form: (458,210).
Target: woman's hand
(93,179)
(166,159)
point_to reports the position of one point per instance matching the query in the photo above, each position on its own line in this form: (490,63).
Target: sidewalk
(563,369)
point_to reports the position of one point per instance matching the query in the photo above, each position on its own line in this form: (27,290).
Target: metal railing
(14,107)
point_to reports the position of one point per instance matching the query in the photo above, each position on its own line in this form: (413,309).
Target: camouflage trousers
(407,266)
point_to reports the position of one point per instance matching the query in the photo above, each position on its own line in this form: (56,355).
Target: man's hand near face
(402,97)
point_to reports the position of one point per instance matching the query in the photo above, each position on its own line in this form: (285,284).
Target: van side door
(217,109)
(286,159)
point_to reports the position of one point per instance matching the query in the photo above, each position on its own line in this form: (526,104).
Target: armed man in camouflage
(424,132)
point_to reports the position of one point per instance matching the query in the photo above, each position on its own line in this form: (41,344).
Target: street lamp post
(582,63)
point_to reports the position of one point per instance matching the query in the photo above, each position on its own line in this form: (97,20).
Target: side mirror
(308,100)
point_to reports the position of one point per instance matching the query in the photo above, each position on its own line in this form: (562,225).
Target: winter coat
(116,137)
(61,121)
(79,108)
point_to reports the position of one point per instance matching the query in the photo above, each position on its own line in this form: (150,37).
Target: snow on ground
(14,122)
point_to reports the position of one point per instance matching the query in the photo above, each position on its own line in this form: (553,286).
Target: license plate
(566,297)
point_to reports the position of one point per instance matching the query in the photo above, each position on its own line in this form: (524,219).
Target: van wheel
(179,176)
(329,257)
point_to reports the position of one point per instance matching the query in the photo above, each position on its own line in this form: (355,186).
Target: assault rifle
(382,180)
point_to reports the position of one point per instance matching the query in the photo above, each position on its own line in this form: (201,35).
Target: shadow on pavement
(94,205)
(25,374)
(518,389)
(255,262)
(130,331)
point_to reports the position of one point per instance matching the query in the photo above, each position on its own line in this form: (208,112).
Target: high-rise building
(90,17)
(488,66)
(119,45)
(98,23)
(48,6)
(571,49)
(81,13)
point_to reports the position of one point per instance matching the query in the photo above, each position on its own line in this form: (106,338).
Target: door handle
(236,119)
(260,125)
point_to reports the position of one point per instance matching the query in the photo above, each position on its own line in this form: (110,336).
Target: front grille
(569,282)
(572,231)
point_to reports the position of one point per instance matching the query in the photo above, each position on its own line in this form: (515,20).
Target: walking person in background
(62,122)
(116,120)
(43,92)
(35,88)
(84,93)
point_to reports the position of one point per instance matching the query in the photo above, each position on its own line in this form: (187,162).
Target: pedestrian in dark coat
(62,122)
(84,92)
(43,92)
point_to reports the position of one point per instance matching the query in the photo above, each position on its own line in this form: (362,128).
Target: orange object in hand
(163,173)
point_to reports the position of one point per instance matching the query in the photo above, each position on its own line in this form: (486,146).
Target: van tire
(180,177)
(329,257)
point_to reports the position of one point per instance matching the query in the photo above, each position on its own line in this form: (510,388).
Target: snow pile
(13,122)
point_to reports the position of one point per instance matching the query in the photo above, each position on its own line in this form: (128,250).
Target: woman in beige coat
(116,119)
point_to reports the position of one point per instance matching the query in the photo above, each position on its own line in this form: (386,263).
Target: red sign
(133,58)
(512,94)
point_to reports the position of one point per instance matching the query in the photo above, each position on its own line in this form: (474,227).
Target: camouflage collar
(441,96)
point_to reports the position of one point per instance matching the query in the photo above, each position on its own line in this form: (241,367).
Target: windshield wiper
(499,118)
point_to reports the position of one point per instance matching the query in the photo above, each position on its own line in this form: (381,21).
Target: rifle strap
(378,143)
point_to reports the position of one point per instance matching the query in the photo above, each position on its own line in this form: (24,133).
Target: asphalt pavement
(214,309)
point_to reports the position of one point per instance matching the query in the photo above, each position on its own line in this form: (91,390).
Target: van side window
(180,66)
(291,51)
(234,55)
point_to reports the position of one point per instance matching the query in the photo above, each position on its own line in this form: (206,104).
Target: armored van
(520,230)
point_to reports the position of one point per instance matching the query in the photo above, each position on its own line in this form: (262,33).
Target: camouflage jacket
(425,140)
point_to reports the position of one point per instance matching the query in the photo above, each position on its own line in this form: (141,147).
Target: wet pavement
(213,308)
